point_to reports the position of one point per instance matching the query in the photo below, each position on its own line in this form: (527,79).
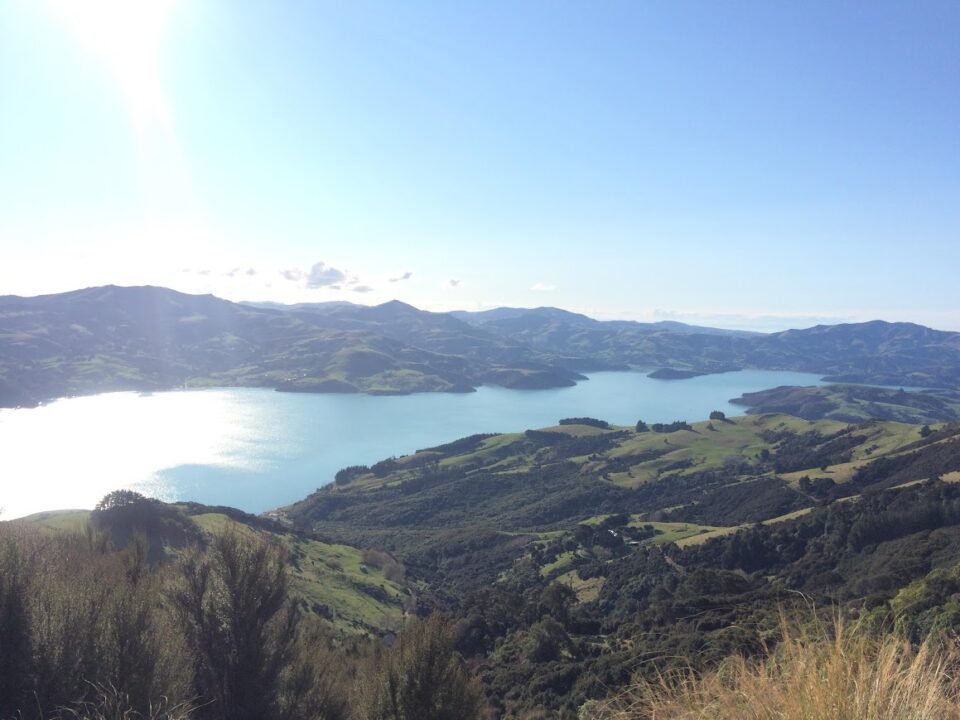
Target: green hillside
(576,556)
(573,561)
(855,403)
(348,588)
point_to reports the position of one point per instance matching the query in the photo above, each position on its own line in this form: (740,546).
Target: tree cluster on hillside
(674,426)
(351,472)
(592,422)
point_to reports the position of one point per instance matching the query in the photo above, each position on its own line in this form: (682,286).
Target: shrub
(422,678)
(232,604)
(92,633)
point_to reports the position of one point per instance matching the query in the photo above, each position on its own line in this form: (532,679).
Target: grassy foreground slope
(577,560)
(180,612)
(582,557)
(347,587)
(837,671)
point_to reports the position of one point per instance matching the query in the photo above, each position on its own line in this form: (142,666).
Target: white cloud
(322,275)
(406,276)
(453,283)
(542,287)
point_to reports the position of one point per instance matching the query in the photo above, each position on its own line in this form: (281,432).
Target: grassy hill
(576,556)
(541,479)
(147,338)
(349,588)
(855,403)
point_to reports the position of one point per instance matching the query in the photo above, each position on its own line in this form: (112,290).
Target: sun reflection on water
(256,449)
(82,448)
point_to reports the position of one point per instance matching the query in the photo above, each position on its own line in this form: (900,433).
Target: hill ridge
(149,337)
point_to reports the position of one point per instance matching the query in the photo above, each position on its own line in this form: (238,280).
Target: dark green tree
(119,498)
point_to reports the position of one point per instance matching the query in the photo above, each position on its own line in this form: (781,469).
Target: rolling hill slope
(576,557)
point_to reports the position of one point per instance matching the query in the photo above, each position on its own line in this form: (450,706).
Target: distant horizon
(762,326)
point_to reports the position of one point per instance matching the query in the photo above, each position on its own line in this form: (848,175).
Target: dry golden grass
(838,673)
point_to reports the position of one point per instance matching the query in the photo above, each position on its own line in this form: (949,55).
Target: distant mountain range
(150,338)
(528,318)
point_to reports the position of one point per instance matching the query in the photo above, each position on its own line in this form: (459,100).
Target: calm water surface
(258,449)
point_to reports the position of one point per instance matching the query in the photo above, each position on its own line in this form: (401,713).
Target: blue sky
(744,164)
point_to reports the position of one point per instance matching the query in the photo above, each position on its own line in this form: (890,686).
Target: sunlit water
(258,449)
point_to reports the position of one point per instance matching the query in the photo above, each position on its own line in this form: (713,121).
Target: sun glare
(126,36)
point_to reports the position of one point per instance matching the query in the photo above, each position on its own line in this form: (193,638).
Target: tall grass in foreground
(108,703)
(830,673)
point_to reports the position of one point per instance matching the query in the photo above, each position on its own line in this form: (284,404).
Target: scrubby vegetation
(421,677)
(570,562)
(211,631)
(578,562)
(837,673)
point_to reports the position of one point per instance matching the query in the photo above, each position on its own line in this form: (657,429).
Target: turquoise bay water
(258,449)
